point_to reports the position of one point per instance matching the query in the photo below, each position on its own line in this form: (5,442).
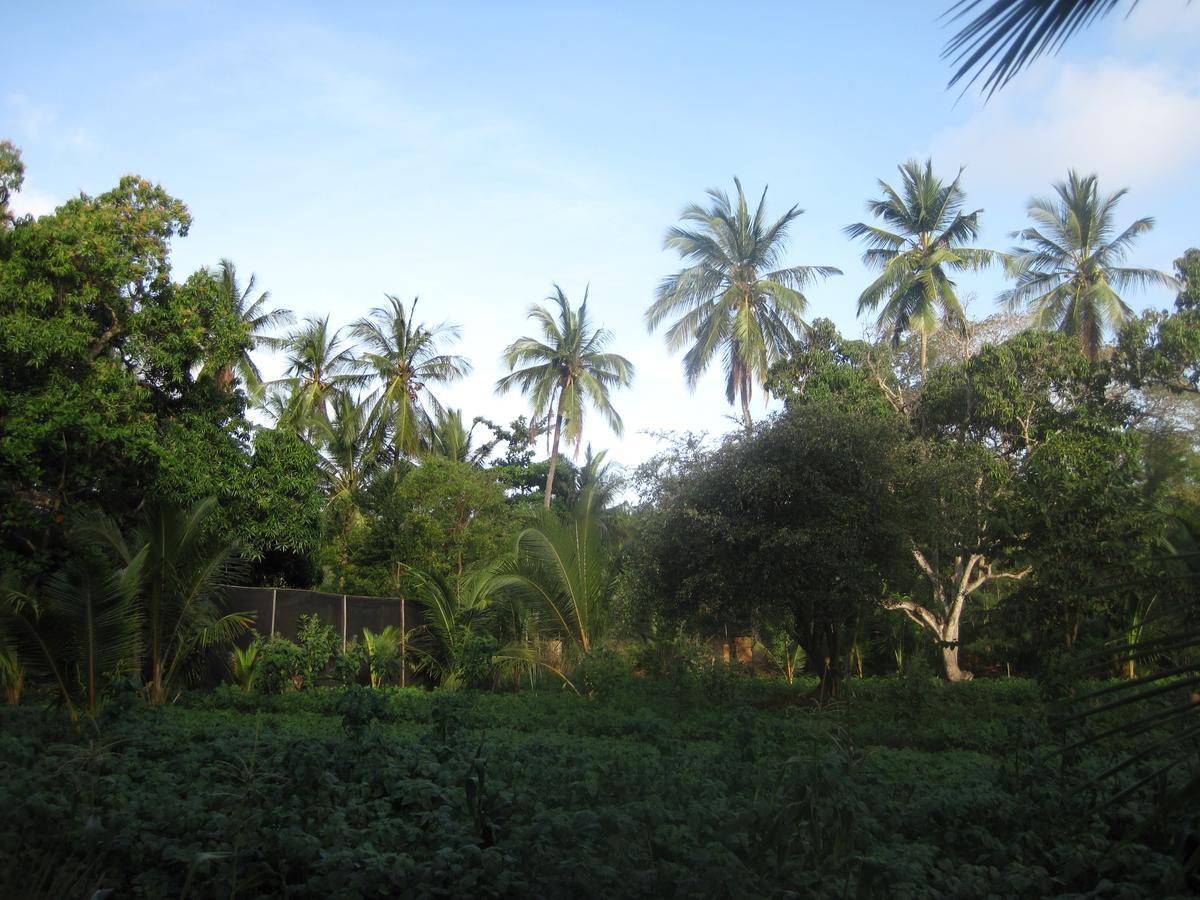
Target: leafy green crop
(716,786)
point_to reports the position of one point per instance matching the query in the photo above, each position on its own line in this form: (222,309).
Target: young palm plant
(80,629)
(459,612)
(565,372)
(733,296)
(564,571)
(921,241)
(406,358)
(1069,269)
(179,570)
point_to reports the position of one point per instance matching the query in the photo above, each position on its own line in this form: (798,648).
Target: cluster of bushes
(277,665)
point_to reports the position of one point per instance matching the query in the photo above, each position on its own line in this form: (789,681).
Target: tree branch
(917,613)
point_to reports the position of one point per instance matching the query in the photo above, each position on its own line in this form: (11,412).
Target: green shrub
(360,707)
(475,666)
(350,666)
(280,666)
(603,673)
(319,645)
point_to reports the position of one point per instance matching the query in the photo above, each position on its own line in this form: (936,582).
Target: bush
(280,667)
(602,673)
(350,666)
(319,644)
(360,707)
(475,667)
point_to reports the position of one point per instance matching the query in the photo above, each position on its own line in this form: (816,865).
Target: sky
(476,154)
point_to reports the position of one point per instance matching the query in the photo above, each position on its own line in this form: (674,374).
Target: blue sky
(476,153)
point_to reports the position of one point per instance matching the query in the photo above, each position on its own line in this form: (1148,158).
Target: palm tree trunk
(554,449)
(924,339)
(749,422)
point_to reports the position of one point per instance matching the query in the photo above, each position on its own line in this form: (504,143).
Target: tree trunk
(746,412)
(949,642)
(554,449)
(924,338)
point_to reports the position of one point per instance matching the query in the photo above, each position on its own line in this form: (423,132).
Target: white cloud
(32,119)
(1161,24)
(33,202)
(1133,124)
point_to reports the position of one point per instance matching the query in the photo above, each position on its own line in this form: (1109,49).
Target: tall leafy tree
(12,176)
(733,297)
(1161,350)
(99,349)
(406,358)
(1069,269)
(922,240)
(319,365)
(253,313)
(566,371)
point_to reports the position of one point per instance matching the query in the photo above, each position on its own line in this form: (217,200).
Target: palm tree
(80,629)
(458,610)
(733,295)
(1068,271)
(179,571)
(922,239)
(406,358)
(318,367)
(564,572)
(450,439)
(349,454)
(566,371)
(252,313)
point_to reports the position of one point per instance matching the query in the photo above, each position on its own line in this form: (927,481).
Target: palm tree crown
(318,367)
(733,295)
(1068,269)
(921,240)
(256,318)
(406,358)
(566,371)
(350,452)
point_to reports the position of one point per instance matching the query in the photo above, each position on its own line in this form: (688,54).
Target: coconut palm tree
(733,296)
(319,366)
(449,438)
(920,242)
(406,358)
(256,318)
(1069,269)
(349,453)
(566,371)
